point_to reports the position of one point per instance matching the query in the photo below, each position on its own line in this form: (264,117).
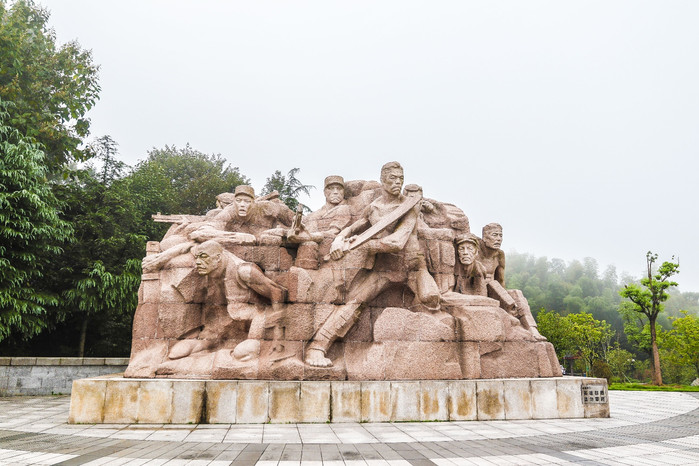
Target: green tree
(683,341)
(288,186)
(558,330)
(105,150)
(580,334)
(31,233)
(636,328)
(178,181)
(648,300)
(569,289)
(110,207)
(99,272)
(104,294)
(556,293)
(620,361)
(592,337)
(51,86)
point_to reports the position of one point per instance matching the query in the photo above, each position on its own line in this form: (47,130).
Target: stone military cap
(334,179)
(245,189)
(466,237)
(226,198)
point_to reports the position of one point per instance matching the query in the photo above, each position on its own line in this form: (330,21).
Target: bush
(601,369)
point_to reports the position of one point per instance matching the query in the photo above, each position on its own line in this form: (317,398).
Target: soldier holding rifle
(387,231)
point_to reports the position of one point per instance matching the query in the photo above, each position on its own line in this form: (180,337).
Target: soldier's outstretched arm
(156,262)
(226,215)
(254,277)
(208,232)
(282,214)
(339,246)
(396,241)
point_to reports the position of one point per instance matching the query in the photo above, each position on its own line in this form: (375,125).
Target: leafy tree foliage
(577,334)
(31,233)
(578,287)
(52,87)
(558,330)
(288,186)
(648,300)
(620,361)
(106,295)
(110,208)
(105,150)
(178,181)
(682,342)
(99,272)
(592,337)
(637,329)
(572,288)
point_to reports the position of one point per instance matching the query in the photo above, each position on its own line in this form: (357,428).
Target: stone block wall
(167,401)
(52,376)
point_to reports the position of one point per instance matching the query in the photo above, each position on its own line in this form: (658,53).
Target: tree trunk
(83,334)
(657,376)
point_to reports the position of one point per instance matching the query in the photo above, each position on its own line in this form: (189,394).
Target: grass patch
(656,388)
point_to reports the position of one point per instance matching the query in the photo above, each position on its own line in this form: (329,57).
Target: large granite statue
(378,284)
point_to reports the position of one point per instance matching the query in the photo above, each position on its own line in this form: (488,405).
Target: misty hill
(579,286)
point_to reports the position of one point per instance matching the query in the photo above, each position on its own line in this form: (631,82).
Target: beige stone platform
(112,399)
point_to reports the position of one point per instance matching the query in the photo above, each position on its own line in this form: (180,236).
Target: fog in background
(573,124)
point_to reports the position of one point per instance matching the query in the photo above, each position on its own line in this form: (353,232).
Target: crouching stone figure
(229,281)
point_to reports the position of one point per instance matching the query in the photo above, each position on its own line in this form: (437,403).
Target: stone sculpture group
(379,284)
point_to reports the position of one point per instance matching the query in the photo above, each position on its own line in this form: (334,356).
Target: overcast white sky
(573,124)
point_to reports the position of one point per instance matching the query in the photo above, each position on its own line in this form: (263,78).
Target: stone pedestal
(112,399)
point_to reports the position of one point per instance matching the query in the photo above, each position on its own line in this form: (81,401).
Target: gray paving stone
(31,412)
(349,452)
(311,455)
(291,454)
(411,455)
(402,447)
(368,452)
(272,453)
(391,455)
(228,455)
(256,447)
(330,452)
(248,456)
(94,455)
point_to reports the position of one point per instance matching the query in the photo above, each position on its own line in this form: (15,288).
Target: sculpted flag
(380,283)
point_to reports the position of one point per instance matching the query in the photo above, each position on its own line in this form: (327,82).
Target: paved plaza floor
(645,428)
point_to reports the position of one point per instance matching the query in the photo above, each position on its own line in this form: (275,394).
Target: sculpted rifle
(396,214)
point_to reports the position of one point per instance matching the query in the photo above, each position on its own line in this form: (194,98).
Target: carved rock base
(113,399)
(475,340)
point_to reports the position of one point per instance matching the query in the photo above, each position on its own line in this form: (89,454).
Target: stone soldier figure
(319,228)
(231,282)
(393,254)
(246,220)
(493,260)
(335,214)
(470,275)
